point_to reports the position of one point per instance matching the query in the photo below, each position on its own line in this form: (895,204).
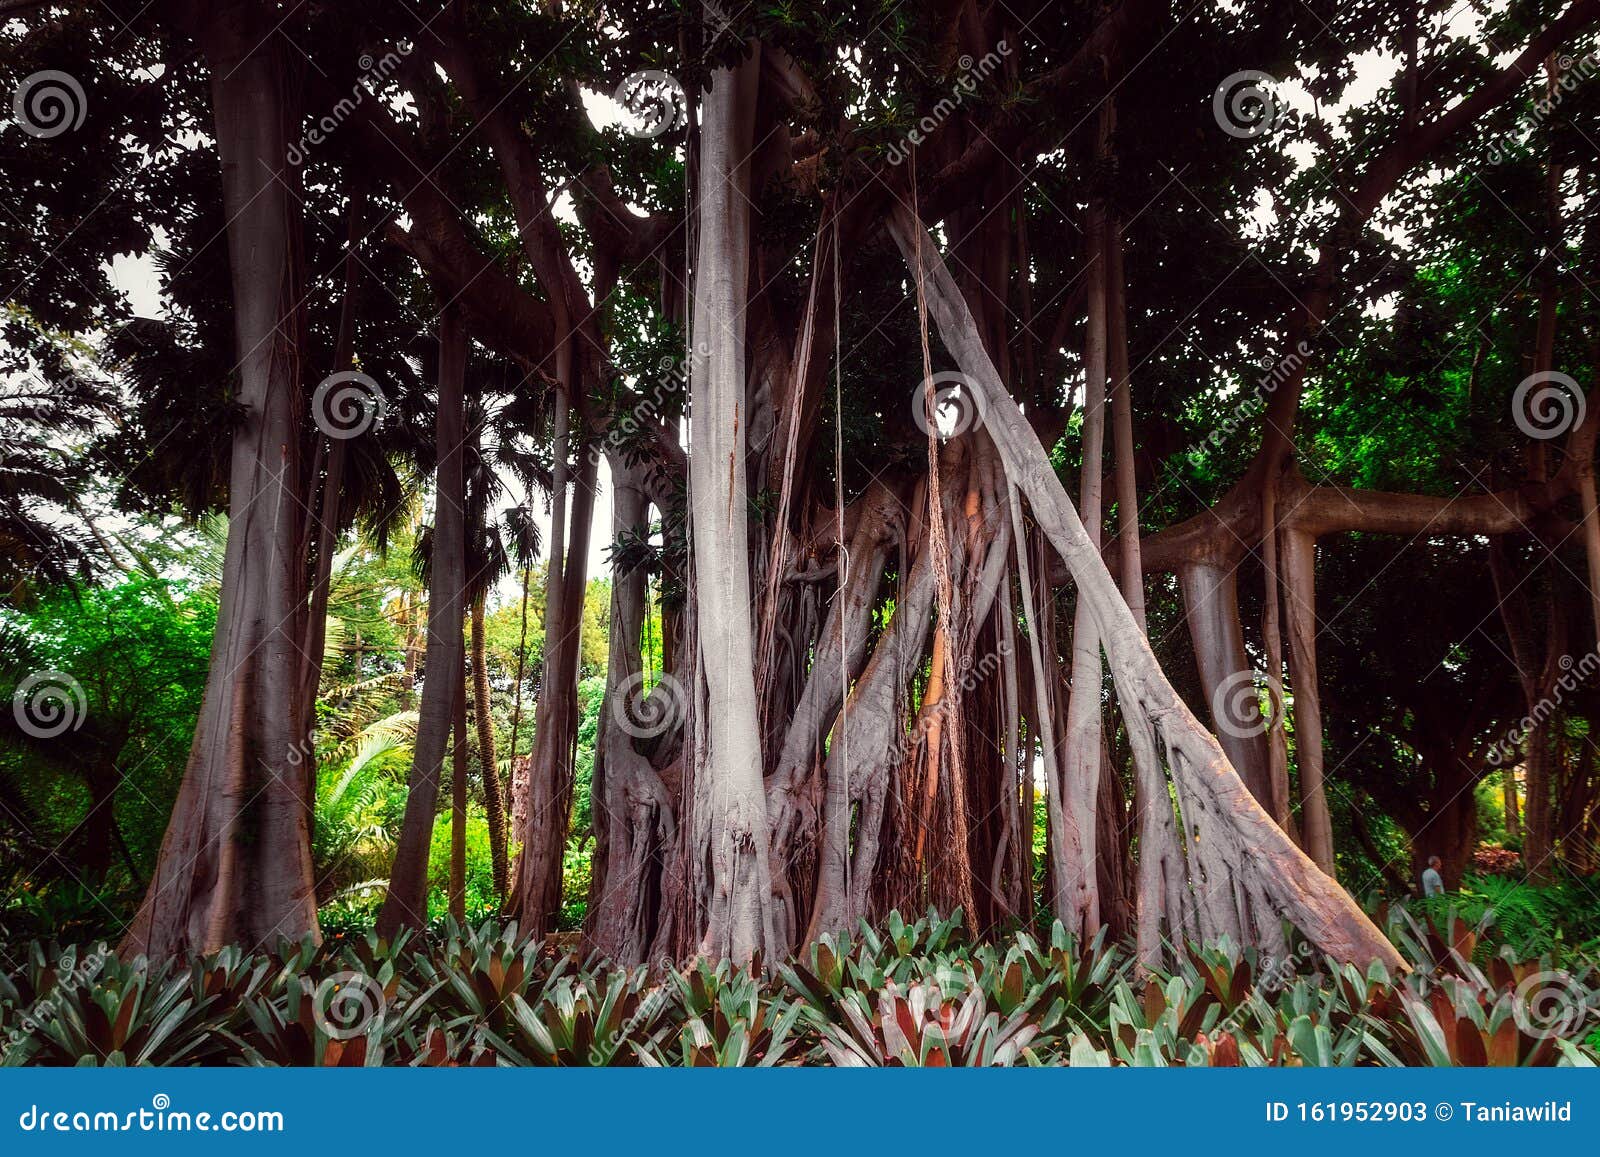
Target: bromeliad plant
(911,993)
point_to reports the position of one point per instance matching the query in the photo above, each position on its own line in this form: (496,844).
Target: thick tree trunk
(874,736)
(1452,834)
(407,901)
(493,799)
(1245,875)
(730,815)
(235,864)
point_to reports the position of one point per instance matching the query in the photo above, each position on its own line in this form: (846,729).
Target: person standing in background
(1432,882)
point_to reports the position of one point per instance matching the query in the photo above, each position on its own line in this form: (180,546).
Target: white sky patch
(604,112)
(1383,308)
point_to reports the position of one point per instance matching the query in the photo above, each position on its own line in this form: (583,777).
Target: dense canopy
(701,476)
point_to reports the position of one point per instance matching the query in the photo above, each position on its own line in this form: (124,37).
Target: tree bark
(1246,874)
(1299,561)
(730,817)
(1077,902)
(1211,605)
(493,799)
(458,802)
(635,821)
(407,902)
(235,864)
(537,896)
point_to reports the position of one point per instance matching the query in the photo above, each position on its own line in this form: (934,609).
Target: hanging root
(1241,873)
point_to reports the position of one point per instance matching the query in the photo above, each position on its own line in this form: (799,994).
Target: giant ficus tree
(925,360)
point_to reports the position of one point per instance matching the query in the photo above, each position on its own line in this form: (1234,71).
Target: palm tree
(492,453)
(494,546)
(40,481)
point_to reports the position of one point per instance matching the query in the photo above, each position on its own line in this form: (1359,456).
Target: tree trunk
(407,902)
(538,891)
(1299,561)
(1508,793)
(1277,746)
(518,817)
(1077,901)
(730,815)
(325,537)
(458,803)
(235,864)
(1122,424)
(493,800)
(635,821)
(1248,874)
(1211,605)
